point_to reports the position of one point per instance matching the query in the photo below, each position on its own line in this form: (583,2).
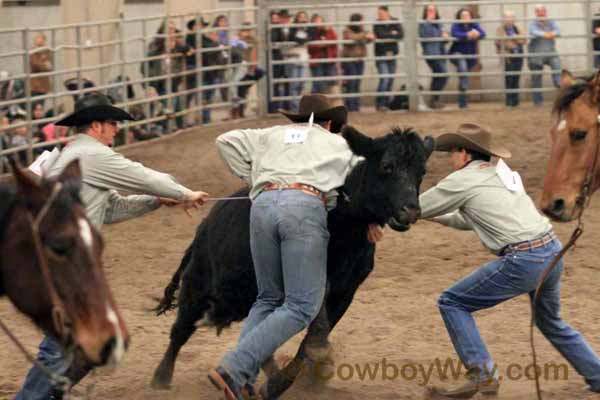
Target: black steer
(218,285)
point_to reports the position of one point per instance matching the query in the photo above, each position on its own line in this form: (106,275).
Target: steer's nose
(556,209)
(413,212)
(107,350)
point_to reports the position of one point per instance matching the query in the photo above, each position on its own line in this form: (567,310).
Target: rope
(227,198)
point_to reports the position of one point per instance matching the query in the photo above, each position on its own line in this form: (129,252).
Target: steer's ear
(360,144)
(429,144)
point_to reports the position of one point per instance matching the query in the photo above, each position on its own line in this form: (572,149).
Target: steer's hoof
(160,383)
(319,353)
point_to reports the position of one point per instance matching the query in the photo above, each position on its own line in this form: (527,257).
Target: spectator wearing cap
(357,51)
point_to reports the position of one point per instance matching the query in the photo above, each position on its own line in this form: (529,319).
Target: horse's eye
(578,135)
(60,246)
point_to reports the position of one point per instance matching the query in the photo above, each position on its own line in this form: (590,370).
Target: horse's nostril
(107,350)
(558,206)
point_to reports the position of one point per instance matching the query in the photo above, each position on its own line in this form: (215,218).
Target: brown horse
(574,158)
(51,269)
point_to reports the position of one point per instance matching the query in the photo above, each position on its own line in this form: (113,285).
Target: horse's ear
(566,79)
(26,185)
(71,174)
(595,85)
(360,144)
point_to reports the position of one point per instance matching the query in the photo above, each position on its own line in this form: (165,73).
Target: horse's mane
(569,94)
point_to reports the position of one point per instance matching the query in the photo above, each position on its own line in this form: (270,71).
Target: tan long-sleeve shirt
(279,155)
(474,198)
(104,172)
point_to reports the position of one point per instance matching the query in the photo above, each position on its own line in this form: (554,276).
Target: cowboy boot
(467,390)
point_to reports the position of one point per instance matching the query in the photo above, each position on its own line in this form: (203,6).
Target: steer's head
(387,184)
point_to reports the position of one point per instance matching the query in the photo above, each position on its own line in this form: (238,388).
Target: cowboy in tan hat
(292,171)
(490,200)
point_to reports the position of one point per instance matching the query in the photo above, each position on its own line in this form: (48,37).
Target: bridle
(581,203)
(59,318)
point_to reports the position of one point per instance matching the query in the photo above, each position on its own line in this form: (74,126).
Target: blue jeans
(509,276)
(352,86)
(288,239)
(438,66)
(207,98)
(321,70)
(36,385)
(463,65)
(536,65)
(512,64)
(295,88)
(385,84)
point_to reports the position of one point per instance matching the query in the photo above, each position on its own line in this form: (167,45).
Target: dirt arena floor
(393,321)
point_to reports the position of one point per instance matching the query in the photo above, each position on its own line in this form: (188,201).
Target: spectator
(510,45)
(543,32)
(385,52)
(297,57)
(18,136)
(40,61)
(277,36)
(36,128)
(191,60)
(357,50)
(596,34)
(320,52)
(467,34)
(430,30)
(222,24)
(248,72)
(212,56)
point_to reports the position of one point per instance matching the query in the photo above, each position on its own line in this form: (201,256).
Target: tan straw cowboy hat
(471,137)
(323,108)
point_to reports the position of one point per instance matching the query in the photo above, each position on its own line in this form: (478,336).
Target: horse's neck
(7,200)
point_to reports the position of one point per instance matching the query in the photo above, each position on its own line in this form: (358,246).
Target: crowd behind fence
(175,72)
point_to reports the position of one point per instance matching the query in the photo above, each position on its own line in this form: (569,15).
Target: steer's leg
(334,307)
(192,306)
(316,337)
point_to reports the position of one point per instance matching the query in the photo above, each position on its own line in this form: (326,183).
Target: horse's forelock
(568,95)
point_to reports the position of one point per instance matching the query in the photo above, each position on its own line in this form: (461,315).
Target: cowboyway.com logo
(448,369)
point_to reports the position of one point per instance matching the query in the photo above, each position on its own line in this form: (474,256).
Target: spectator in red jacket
(320,52)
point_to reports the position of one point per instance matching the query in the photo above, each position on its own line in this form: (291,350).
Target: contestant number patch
(295,136)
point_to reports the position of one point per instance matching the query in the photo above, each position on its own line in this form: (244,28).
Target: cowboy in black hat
(292,171)
(104,173)
(490,200)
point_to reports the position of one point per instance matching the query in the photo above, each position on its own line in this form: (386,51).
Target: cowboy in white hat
(104,172)
(490,200)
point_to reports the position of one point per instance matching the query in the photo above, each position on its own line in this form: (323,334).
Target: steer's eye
(578,135)
(386,168)
(60,246)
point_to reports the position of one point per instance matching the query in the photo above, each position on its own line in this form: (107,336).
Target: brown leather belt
(297,186)
(530,244)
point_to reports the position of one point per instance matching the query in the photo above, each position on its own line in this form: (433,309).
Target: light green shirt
(104,172)
(474,198)
(274,155)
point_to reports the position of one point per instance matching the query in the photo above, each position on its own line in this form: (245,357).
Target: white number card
(295,135)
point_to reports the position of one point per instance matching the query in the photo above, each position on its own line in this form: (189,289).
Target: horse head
(386,186)
(575,148)
(51,266)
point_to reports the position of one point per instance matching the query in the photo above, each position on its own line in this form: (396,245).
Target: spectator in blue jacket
(543,32)
(467,34)
(430,30)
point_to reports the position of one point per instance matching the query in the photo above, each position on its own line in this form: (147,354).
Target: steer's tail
(167,302)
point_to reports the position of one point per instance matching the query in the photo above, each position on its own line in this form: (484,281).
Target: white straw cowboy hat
(471,137)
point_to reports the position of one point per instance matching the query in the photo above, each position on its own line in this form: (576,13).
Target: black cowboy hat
(323,110)
(472,137)
(94,107)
